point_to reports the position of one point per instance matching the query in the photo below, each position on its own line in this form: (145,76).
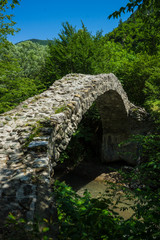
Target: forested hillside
(20,66)
(41,42)
(132,53)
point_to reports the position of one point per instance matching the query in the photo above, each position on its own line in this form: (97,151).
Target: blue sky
(42,19)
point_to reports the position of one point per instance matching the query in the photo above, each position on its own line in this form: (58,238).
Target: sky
(43,19)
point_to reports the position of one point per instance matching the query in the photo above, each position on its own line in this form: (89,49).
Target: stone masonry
(33,135)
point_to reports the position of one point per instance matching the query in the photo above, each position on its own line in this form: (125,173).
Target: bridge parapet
(33,135)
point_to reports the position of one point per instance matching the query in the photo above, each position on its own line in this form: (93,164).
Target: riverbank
(97,178)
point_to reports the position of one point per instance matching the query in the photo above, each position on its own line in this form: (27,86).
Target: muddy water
(94,177)
(98,189)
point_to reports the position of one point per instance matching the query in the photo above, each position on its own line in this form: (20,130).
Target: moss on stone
(25,106)
(61,109)
(35,133)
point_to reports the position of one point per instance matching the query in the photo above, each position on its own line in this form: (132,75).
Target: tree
(16,80)
(6,22)
(145,6)
(143,77)
(71,52)
(14,87)
(31,57)
(141,31)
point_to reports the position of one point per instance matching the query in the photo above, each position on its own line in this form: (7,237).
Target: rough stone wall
(120,119)
(33,135)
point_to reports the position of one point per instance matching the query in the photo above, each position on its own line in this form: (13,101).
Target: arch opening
(102,128)
(85,143)
(82,160)
(115,125)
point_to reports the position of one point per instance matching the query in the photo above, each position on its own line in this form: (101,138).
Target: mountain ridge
(39,41)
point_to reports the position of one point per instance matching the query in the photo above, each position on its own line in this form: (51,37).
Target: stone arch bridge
(33,135)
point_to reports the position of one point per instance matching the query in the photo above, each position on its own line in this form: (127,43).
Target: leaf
(11,216)
(45,220)
(45,229)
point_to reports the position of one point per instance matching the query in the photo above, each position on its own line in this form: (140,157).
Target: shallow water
(92,178)
(98,189)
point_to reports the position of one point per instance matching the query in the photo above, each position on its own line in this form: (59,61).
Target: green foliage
(71,53)
(138,35)
(19,68)
(34,133)
(31,58)
(75,151)
(140,32)
(147,191)
(142,5)
(83,217)
(134,74)
(60,109)
(86,140)
(86,218)
(79,51)
(38,41)
(6,22)
(110,57)
(152,88)
(16,227)
(19,65)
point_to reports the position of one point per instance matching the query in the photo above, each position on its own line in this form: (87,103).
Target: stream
(93,176)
